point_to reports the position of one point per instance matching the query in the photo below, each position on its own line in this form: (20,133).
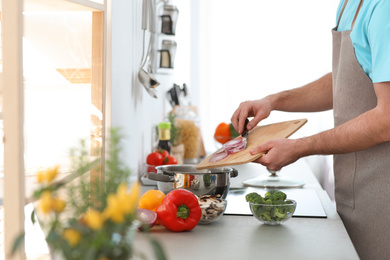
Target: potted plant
(86,218)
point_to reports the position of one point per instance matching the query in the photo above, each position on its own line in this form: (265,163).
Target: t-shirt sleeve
(379,40)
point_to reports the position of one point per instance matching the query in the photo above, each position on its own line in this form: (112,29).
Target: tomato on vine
(170,160)
(163,152)
(155,159)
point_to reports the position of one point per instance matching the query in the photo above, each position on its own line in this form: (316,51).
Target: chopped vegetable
(218,156)
(275,196)
(233,146)
(179,211)
(212,207)
(254,198)
(278,212)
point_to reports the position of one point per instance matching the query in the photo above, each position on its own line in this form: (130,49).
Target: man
(358,90)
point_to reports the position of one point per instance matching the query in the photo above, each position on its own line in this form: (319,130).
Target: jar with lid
(169,19)
(167,54)
(188,121)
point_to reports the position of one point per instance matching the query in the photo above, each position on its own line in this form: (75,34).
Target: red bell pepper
(179,211)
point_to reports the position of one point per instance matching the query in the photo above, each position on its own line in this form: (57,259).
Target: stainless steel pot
(215,181)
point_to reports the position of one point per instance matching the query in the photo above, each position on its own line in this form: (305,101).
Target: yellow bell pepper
(151,200)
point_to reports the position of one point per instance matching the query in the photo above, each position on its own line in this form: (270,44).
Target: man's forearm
(313,97)
(364,131)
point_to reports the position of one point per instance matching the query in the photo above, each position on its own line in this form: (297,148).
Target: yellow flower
(72,236)
(114,209)
(93,219)
(47,175)
(128,201)
(122,203)
(134,195)
(58,205)
(48,203)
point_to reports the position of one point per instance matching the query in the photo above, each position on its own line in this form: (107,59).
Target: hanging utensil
(147,79)
(173,95)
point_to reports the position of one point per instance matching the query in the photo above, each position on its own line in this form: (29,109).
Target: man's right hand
(258,109)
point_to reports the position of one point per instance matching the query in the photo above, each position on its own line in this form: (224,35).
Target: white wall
(245,50)
(253,48)
(228,52)
(132,109)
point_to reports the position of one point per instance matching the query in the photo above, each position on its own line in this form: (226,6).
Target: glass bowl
(273,214)
(212,207)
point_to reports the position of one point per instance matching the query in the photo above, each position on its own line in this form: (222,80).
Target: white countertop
(244,237)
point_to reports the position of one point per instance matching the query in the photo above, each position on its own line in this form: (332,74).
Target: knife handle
(245,132)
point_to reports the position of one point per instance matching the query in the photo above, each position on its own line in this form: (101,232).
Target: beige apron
(362,179)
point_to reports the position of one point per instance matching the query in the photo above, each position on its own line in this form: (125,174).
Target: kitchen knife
(245,132)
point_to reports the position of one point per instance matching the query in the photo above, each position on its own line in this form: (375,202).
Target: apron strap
(356,14)
(354,18)
(341,13)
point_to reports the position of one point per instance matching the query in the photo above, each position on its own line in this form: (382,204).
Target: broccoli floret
(254,198)
(278,202)
(278,214)
(267,213)
(290,208)
(269,193)
(266,216)
(275,196)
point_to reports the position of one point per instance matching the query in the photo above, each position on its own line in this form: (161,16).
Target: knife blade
(245,132)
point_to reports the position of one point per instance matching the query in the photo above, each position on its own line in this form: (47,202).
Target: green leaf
(33,217)
(37,193)
(18,242)
(158,250)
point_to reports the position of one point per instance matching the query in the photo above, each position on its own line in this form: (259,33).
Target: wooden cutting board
(256,136)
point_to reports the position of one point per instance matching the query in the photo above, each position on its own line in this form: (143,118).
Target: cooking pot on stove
(215,181)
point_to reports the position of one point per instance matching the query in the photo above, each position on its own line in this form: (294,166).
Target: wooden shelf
(61,5)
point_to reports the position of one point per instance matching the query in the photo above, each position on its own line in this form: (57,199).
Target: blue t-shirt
(370,35)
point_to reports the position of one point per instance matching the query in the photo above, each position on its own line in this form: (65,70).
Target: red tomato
(163,152)
(155,159)
(152,169)
(170,160)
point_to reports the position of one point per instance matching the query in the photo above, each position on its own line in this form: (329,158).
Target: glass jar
(167,54)
(187,121)
(169,19)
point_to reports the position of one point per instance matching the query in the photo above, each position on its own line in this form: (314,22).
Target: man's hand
(258,109)
(278,153)
(313,97)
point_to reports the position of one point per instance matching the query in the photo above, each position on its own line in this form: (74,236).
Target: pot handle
(159,177)
(233,173)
